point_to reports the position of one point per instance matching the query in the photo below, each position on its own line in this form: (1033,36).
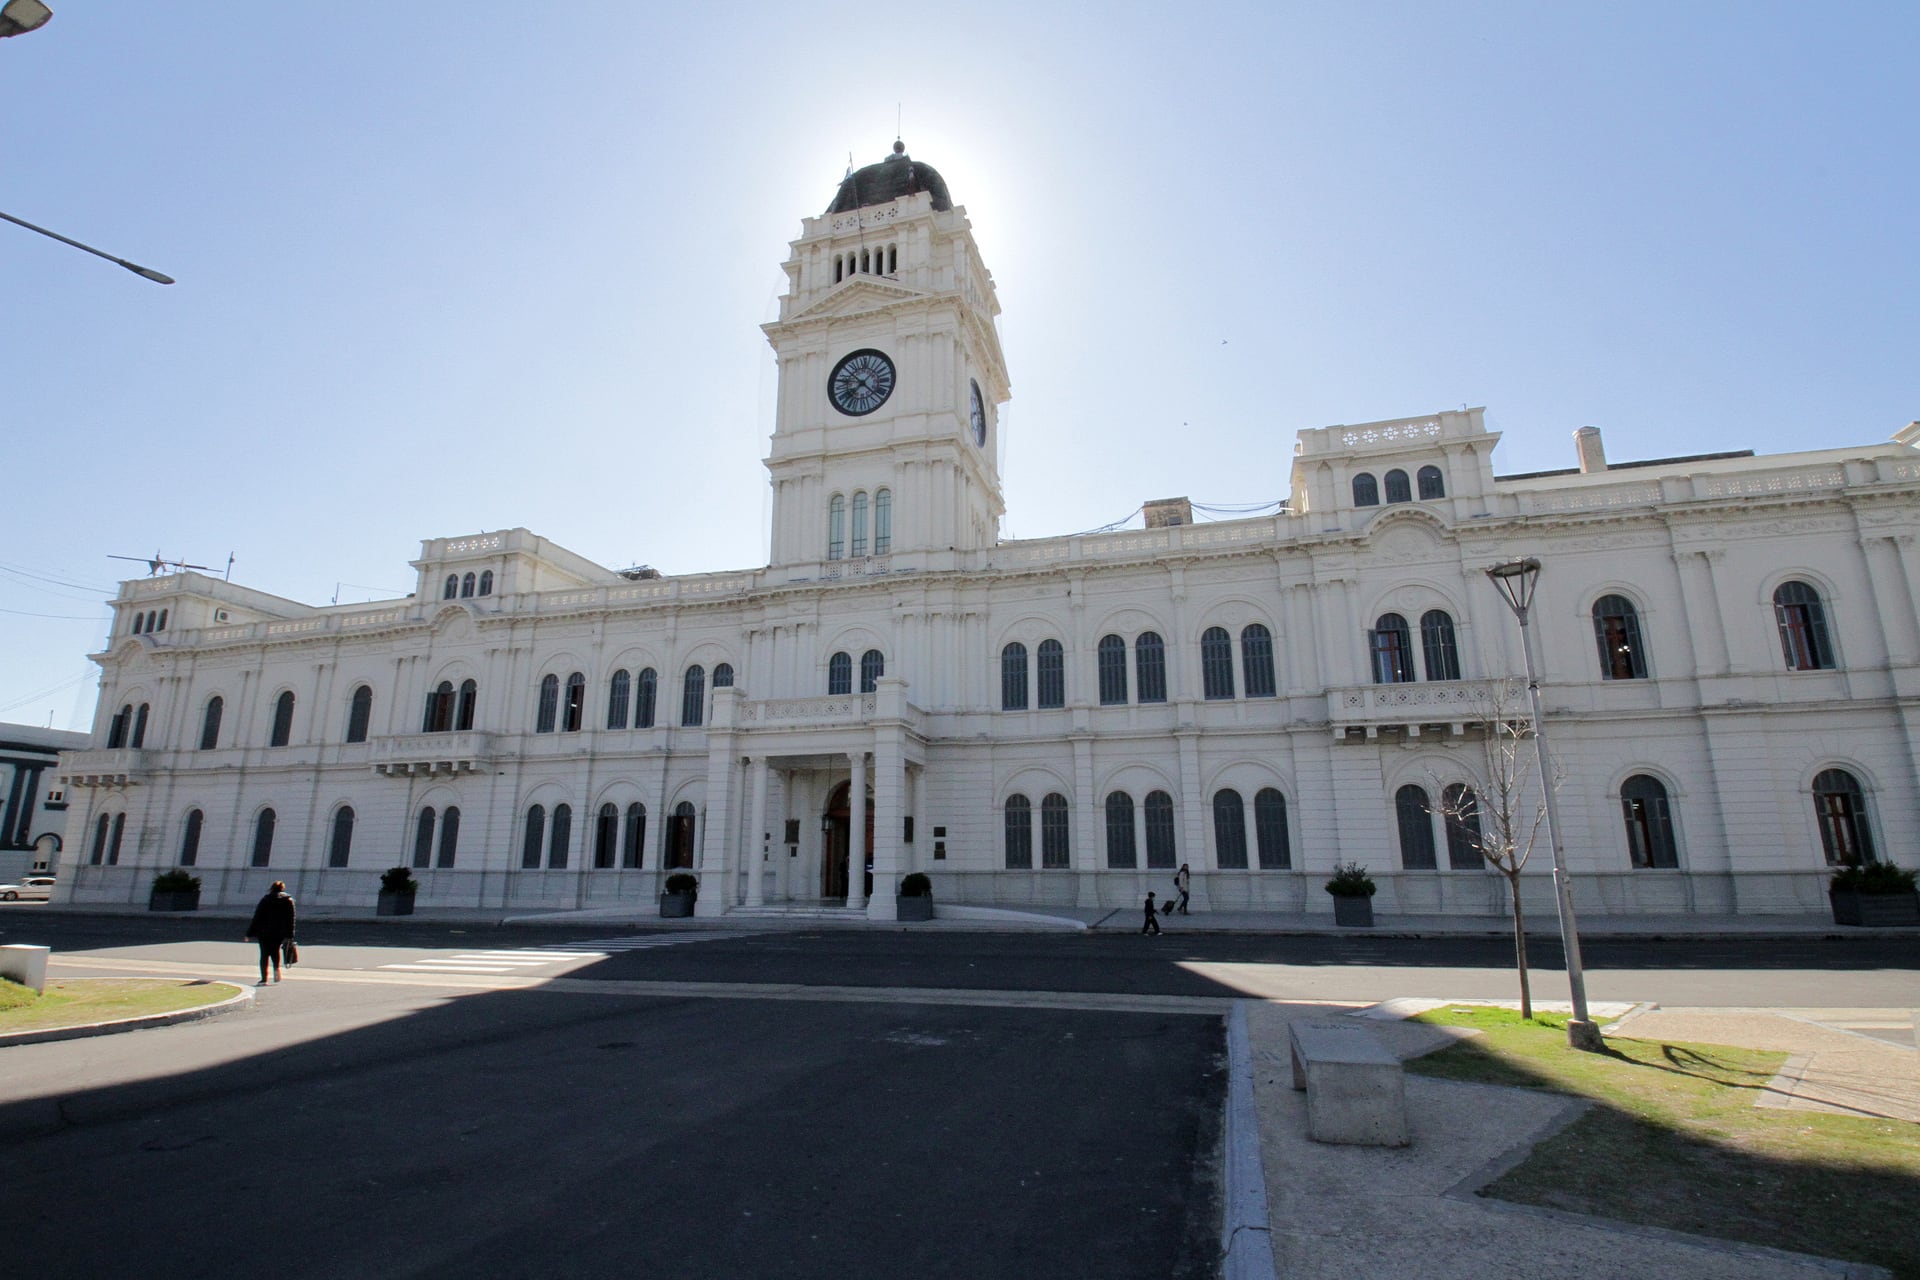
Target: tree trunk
(1520,947)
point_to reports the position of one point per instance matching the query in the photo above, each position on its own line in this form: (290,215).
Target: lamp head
(1516,580)
(17,17)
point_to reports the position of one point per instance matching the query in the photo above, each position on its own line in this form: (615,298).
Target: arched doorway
(833,867)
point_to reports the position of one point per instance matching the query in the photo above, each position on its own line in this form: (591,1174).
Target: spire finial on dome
(899,147)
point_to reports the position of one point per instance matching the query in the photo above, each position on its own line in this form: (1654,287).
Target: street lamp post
(1516,580)
(146,272)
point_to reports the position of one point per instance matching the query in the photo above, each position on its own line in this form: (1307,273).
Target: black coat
(272,919)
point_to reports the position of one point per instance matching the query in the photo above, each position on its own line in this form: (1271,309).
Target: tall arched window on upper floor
(1649,819)
(139,737)
(723,675)
(466,587)
(118,726)
(1019,833)
(464,709)
(1432,485)
(859,524)
(1460,814)
(882,521)
(548,714)
(1437,645)
(1229,830)
(1803,627)
(1150,667)
(1111,664)
(210,723)
(645,688)
(438,716)
(839,675)
(1270,830)
(560,841)
(1256,659)
(486,582)
(1216,664)
(693,697)
(534,839)
(1391,644)
(872,667)
(837,527)
(1013,677)
(359,713)
(282,719)
(1413,813)
(1840,807)
(1616,629)
(340,845)
(452,587)
(633,848)
(1366,490)
(1055,850)
(573,712)
(1160,845)
(619,691)
(263,837)
(423,837)
(190,838)
(449,836)
(1121,851)
(606,836)
(1050,676)
(1398,490)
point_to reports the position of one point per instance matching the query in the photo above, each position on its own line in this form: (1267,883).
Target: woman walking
(272,925)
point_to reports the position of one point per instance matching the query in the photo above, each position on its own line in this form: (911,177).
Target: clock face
(861,382)
(978,415)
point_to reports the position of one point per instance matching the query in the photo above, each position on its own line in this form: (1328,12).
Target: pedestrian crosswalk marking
(534,957)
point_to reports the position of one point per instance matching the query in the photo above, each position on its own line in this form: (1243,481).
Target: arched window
(1050,675)
(574,710)
(619,691)
(558,843)
(449,836)
(139,738)
(606,836)
(263,837)
(1392,647)
(1111,663)
(190,840)
(1431,484)
(340,847)
(1840,806)
(872,667)
(549,712)
(439,713)
(839,675)
(859,524)
(423,838)
(162,624)
(118,726)
(882,522)
(210,723)
(536,837)
(1460,811)
(452,588)
(1120,848)
(1256,660)
(837,528)
(1437,646)
(1414,813)
(113,842)
(680,836)
(1216,663)
(1803,627)
(1019,827)
(1270,830)
(359,713)
(139,624)
(633,848)
(1013,677)
(463,714)
(1160,850)
(693,697)
(1229,831)
(466,587)
(1150,667)
(1398,490)
(1366,490)
(1054,851)
(723,675)
(486,582)
(645,688)
(839,268)
(1649,818)
(1616,629)
(282,719)
(100,830)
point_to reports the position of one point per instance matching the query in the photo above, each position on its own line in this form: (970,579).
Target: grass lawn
(1674,1140)
(74,1001)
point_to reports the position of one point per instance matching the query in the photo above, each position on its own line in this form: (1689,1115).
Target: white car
(40,887)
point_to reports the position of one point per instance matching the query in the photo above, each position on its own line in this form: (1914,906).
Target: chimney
(1586,441)
(1161,512)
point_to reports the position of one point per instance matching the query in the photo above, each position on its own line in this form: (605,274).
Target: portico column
(857,831)
(755,855)
(889,787)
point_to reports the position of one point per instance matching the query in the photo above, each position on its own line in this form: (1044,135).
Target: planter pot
(1355,912)
(173,900)
(920,908)
(1874,908)
(394,904)
(677,906)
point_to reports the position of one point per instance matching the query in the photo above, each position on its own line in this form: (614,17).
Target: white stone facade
(1773,647)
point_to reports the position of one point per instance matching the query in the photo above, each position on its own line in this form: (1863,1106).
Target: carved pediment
(860,294)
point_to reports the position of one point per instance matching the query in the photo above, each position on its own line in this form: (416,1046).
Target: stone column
(755,855)
(889,789)
(857,831)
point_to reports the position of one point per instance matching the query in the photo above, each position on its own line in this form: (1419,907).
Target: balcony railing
(120,767)
(418,754)
(1452,705)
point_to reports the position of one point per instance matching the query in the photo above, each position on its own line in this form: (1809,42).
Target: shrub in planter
(1877,893)
(1352,889)
(397,887)
(174,890)
(677,900)
(914,901)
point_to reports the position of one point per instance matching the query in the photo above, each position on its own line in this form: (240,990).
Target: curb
(241,996)
(1246,1232)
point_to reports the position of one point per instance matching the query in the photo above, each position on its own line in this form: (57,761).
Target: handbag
(289,953)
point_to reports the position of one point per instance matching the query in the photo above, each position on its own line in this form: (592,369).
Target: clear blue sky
(450,267)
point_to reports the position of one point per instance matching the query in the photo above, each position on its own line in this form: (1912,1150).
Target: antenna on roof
(898,135)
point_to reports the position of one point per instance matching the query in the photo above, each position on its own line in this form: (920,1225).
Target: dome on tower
(898,175)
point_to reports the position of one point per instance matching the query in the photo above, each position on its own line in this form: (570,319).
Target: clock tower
(891,376)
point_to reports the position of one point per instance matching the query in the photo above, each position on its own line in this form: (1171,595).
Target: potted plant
(397,887)
(1352,889)
(677,902)
(915,899)
(174,891)
(1877,893)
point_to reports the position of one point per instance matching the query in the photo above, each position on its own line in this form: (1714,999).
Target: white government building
(1728,645)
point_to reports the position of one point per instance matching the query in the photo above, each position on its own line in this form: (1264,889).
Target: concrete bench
(25,965)
(1356,1090)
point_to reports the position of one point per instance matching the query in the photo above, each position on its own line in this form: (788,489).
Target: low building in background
(33,802)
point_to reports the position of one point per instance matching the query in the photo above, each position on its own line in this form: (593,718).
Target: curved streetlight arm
(148,272)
